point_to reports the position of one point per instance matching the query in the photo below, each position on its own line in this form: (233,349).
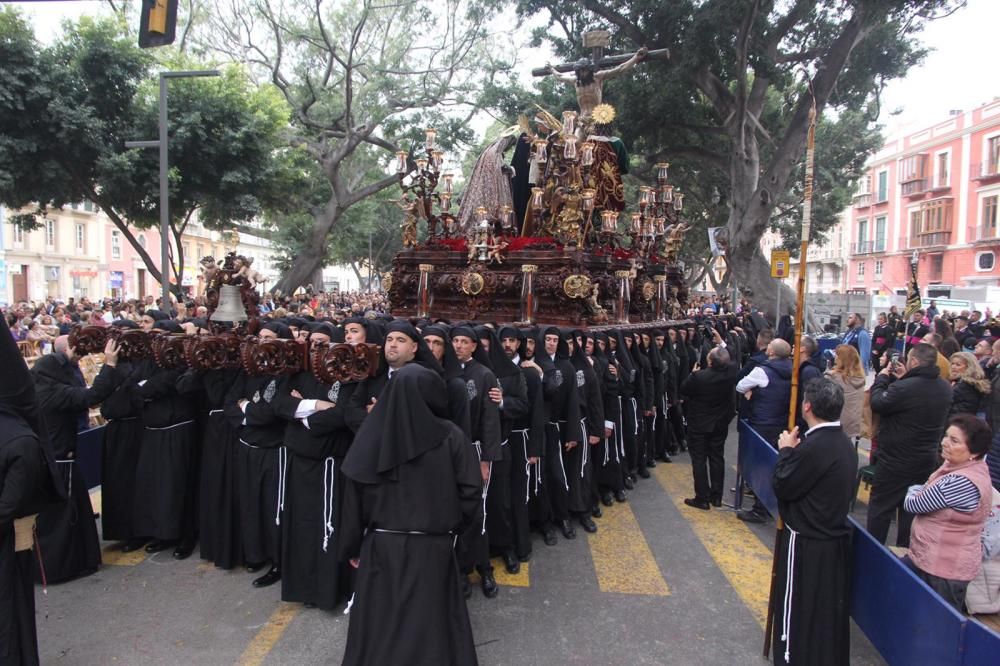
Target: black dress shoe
(184,549)
(466,588)
(608,498)
(156,545)
(650,463)
(549,535)
(134,544)
(751,516)
(684,445)
(255,567)
(628,482)
(489,584)
(596,511)
(666,459)
(620,496)
(567,529)
(511,563)
(270,578)
(697,503)
(643,472)
(588,524)
(716,501)
(527,556)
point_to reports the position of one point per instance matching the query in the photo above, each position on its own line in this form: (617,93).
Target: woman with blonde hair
(969,386)
(850,375)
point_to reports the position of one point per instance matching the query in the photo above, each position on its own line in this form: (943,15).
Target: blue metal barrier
(906,621)
(88,454)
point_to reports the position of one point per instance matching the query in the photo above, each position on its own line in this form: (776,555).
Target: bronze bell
(230,305)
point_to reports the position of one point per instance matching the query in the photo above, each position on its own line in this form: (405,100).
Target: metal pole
(164,201)
(777,308)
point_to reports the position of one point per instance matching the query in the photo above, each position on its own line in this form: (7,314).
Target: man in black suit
(709,403)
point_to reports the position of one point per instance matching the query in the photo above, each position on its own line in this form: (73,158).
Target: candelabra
(421,179)
(659,216)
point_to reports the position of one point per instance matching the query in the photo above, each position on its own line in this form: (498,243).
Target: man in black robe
(646,394)
(608,479)
(814,484)
(562,431)
(260,464)
(29,484)
(525,444)
(317,440)
(215,459)
(618,354)
(583,502)
(164,504)
(67,534)
(511,398)
(414,484)
(484,420)
(122,412)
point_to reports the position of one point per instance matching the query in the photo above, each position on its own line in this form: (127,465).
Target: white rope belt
(282,471)
(328,480)
(786,624)
(171,427)
(562,466)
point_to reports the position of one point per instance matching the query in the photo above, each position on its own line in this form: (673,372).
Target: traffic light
(158,23)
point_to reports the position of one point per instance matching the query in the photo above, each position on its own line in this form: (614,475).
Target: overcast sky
(959,73)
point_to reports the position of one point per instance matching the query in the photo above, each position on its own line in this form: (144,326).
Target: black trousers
(708,465)
(888,492)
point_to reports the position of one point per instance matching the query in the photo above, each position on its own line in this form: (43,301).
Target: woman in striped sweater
(951,509)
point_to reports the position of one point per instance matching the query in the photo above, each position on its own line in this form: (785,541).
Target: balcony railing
(928,240)
(863,200)
(868,247)
(987,232)
(986,170)
(914,187)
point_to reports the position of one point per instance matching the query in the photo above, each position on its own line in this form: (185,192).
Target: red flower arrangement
(453,244)
(525,242)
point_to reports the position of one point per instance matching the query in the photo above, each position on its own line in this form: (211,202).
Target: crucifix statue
(589,74)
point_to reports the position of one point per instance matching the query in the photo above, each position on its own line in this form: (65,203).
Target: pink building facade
(934,192)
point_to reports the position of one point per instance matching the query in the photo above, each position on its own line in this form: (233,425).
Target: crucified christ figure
(589,80)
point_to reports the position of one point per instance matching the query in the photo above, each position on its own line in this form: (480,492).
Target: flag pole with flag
(912,298)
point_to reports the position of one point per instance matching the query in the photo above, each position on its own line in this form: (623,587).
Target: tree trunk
(313,255)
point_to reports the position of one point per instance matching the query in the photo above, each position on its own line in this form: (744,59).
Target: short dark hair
(925,354)
(978,436)
(719,357)
(825,397)
(809,344)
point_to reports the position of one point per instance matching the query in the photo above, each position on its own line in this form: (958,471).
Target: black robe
(499,522)
(526,440)
(609,453)
(314,487)
(67,534)
(21,471)
(260,465)
(814,484)
(166,479)
(409,607)
(122,412)
(578,461)
(217,498)
(562,413)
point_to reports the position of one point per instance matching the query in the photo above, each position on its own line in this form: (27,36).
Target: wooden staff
(799,331)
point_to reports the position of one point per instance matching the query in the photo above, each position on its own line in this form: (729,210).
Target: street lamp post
(161,143)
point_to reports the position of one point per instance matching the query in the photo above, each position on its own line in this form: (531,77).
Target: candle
(430,138)
(587,153)
(636,225)
(401,162)
(667,194)
(421,164)
(446,201)
(448,182)
(506,217)
(437,158)
(588,199)
(569,147)
(569,122)
(662,171)
(678,201)
(481,214)
(660,225)
(536,198)
(541,151)
(644,197)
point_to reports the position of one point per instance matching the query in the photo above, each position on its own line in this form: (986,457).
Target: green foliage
(725,109)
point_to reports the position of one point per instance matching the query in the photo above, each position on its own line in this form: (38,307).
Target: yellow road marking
(622,558)
(736,550)
(269,634)
(521,579)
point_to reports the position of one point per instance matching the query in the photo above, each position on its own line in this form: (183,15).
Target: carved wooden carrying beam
(273,357)
(343,362)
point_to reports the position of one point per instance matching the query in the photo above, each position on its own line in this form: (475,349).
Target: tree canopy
(68,109)
(730,108)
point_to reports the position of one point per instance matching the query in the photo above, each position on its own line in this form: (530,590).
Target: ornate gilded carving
(473,283)
(343,362)
(577,286)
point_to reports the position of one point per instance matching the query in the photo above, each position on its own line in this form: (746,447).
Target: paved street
(660,583)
